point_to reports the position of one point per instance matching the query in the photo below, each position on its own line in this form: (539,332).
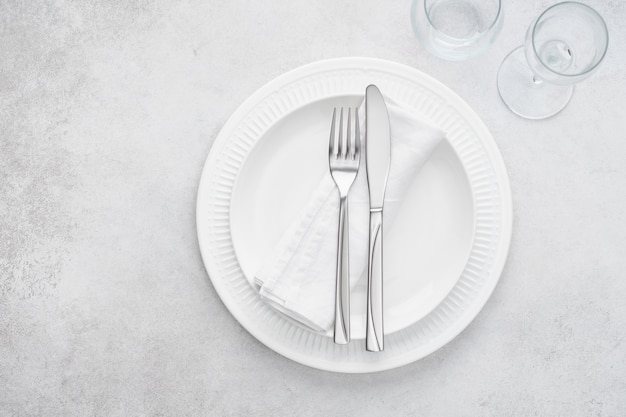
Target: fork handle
(374,335)
(342,286)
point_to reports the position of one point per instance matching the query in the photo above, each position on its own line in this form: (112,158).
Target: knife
(378,158)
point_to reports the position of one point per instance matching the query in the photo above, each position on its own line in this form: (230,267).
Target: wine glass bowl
(566,43)
(563,46)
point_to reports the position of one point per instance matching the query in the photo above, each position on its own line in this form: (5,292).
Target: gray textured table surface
(108,110)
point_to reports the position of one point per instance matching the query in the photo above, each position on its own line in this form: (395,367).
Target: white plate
(435,221)
(444,252)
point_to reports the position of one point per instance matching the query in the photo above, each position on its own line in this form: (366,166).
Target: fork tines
(345,142)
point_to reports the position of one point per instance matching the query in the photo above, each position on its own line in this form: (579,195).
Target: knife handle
(374,331)
(342,286)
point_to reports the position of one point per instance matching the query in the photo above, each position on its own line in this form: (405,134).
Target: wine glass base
(524,94)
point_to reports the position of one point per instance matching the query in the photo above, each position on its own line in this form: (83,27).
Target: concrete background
(107,112)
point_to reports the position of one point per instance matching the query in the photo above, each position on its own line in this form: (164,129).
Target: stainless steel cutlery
(344,160)
(378,159)
(344,155)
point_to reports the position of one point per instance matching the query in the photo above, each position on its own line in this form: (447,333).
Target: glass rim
(594,12)
(483,33)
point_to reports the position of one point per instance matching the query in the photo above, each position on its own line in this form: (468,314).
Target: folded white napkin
(299,279)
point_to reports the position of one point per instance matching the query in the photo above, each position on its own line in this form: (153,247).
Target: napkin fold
(299,278)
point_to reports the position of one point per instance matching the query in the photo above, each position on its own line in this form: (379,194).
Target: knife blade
(378,159)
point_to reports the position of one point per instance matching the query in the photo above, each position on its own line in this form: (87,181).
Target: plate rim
(485,138)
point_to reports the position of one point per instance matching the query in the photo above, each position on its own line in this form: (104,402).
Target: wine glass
(456,29)
(563,46)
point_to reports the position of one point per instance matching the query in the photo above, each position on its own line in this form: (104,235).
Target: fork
(344,155)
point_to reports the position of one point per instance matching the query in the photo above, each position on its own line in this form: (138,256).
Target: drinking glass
(563,46)
(456,29)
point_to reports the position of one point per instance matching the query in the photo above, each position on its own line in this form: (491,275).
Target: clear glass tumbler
(563,46)
(456,29)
